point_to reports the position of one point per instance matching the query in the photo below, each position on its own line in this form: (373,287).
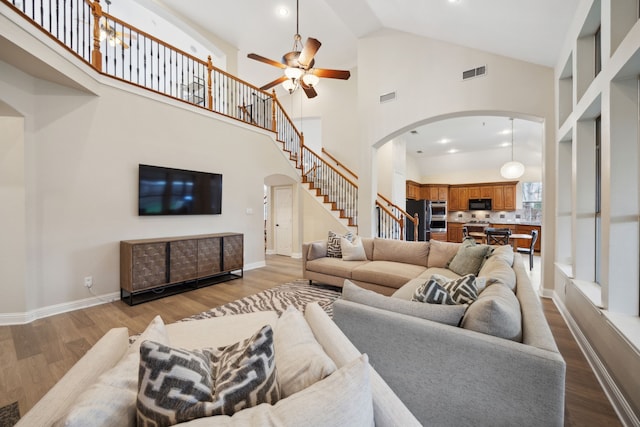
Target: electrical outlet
(88,281)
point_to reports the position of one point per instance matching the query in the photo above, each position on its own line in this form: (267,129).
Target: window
(597,52)
(598,200)
(532,200)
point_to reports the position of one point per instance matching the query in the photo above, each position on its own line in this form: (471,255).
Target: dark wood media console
(155,268)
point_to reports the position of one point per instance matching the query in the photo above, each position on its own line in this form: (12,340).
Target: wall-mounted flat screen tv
(168,191)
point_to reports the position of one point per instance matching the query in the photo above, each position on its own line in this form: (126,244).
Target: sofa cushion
(386,273)
(463,289)
(495,268)
(440,253)
(432,292)
(367,242)
(341,399)
(449,315)
(334,249)
(401,251)
(177,385)
(335,266)
(111,401)
(469,258)
(300,360)
(352,251)
(496,312)
(504,252)
(317,250)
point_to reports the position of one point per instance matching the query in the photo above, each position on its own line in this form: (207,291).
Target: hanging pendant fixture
(512,169)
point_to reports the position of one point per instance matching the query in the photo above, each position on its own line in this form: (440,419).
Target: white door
(283,220)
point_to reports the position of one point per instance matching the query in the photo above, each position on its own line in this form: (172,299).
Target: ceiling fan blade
(276,82)
(309,50)
(331,74)
(308,90)
(266,60)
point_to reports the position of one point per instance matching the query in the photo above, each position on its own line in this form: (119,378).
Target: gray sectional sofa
(474,372)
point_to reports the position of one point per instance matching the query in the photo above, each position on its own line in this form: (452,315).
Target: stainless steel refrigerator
(423,209)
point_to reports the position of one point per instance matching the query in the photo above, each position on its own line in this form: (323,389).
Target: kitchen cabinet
(454,232)
(498,198)
(486,192)
(474,192)
(413,190)
(454,199)
(509,197)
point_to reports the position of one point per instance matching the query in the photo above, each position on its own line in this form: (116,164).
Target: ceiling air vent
(387,97)
(474,72)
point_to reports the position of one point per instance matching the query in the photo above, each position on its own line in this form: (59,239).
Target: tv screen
(168,191)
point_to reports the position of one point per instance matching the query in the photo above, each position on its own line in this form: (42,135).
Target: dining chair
(530,250)
(497,236)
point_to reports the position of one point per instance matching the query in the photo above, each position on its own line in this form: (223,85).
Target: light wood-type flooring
(34,356)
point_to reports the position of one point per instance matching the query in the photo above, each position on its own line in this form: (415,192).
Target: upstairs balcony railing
(119,50)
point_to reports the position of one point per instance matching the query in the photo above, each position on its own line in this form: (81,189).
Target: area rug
(297,294)
(9,415)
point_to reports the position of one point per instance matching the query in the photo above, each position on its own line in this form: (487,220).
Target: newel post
(274,126)
(96,55)
(209,85)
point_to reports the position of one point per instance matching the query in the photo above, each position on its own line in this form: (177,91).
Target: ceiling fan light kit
(512,169)
(298,66)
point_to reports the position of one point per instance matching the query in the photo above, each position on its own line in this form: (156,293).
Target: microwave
(479,204)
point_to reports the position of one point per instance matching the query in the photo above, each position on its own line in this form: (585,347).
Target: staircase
(159,67)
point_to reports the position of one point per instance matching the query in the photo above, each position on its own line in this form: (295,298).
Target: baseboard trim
(7,319)
(39,313)
(609,386)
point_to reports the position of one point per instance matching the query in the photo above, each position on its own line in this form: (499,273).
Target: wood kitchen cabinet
(486,192)
(498,198)
(454,232)
(509,197)
(474,192)
(413,190)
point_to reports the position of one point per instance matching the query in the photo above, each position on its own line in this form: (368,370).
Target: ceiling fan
(107,32)
(298,66)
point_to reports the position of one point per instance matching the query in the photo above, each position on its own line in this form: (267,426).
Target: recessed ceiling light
(283,11)
(505,132)
(454,1)
(505,144)
(452,151)
(444,141)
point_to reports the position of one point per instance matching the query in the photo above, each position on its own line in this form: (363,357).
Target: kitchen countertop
(520,222)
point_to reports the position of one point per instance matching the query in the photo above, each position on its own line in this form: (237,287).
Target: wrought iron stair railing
(121,51)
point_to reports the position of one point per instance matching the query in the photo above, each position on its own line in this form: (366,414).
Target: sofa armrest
(102,356)
(448,376)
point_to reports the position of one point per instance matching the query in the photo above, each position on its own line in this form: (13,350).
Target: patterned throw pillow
(177,385)
(433,293)
(441,290)
(334,247)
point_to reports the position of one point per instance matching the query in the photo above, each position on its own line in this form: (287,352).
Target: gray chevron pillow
(177,385)
(441,290)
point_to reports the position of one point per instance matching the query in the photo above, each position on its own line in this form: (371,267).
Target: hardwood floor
(35,356)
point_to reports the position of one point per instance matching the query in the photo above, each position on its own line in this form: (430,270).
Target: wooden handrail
(339,163)
(331,166)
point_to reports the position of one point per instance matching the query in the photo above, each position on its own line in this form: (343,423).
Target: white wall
(81,154)
(13,255)
(428,84)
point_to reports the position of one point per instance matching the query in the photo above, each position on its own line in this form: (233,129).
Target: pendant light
(512,169)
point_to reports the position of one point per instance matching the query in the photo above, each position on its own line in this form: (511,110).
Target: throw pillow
(496,312)
(447,314)
(178,385)
(468,259)
(440,253)
(463,290)
(433,293)
(300,360)
(317,250)
(352,251)
(111,401)
(344,398)
(334,249)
